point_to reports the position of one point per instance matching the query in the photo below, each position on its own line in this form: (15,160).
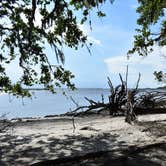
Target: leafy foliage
(26,27)
(151,18)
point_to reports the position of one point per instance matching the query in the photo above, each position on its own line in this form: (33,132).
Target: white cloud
(38,18)
(134,6)
(145,65)
(85,29)
(120,34)
(24,18)
(94,40)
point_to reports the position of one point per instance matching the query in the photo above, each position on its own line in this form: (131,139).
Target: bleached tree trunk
(130,115)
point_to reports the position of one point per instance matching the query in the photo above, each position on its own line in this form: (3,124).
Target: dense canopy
(152,29)
(27,27)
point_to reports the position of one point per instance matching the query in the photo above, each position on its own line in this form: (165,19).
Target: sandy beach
(30,141)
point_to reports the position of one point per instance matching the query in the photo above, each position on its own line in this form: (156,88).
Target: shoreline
(68,115)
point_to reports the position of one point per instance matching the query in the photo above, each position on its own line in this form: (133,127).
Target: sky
(112,37)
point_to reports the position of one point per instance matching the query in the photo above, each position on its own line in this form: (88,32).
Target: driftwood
(153,100)
(119,101)
(124,101)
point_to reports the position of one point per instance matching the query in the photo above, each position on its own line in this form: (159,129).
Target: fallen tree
(124,101)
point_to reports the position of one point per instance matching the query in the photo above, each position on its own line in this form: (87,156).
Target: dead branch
(127,69)
(102,98)
(90,101)
(123,101)
(73,122)
(110,85)
(139,77)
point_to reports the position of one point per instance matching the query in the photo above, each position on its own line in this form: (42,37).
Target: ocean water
(45,103)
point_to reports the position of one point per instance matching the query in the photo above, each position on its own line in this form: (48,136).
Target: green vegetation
(152,29)
(23,40)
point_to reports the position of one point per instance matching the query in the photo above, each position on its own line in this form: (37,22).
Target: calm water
(45,103)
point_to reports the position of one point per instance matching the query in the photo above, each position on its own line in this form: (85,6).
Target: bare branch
(90,101)
(126,78)
(139,77)
(110,85)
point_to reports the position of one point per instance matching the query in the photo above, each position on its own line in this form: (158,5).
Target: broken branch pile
(124,101)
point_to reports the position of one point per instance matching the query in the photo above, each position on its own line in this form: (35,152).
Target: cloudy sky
(112,37)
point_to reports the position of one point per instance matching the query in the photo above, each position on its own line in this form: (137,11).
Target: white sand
(38,140)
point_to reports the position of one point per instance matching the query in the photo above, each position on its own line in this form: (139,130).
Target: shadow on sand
(77,150)
(153,155)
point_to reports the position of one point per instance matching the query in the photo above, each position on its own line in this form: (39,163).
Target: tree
(151,19)
(24,40)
